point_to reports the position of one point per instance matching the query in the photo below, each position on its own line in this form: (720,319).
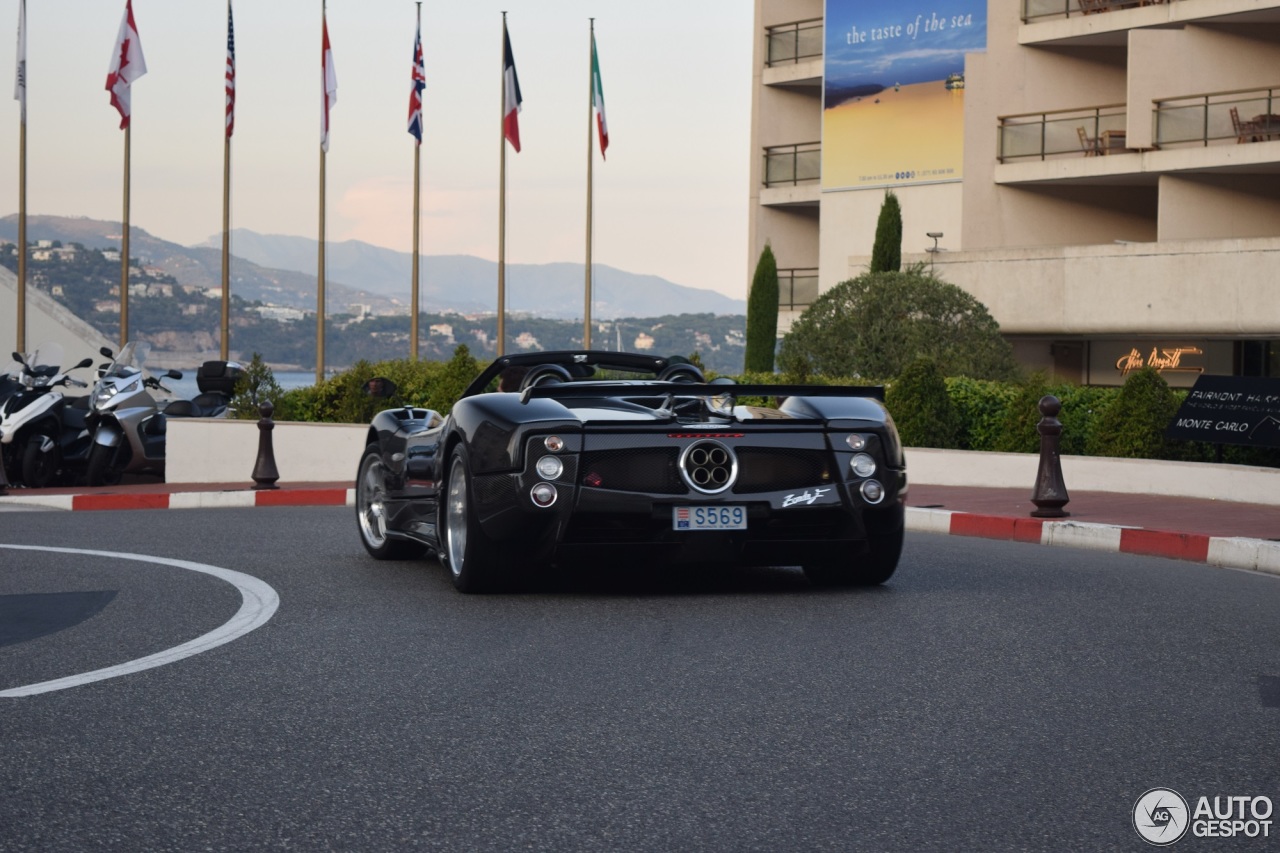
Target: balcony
(797,288)
(1087,131)
(1035,10)
(1240,116)
(793,164)
(792,175)
(793,55)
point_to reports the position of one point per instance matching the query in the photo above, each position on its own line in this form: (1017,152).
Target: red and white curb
(1226,551)
(187,500)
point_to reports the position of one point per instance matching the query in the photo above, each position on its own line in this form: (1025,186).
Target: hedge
(976,414)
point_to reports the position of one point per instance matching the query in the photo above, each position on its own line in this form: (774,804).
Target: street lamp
(934,250)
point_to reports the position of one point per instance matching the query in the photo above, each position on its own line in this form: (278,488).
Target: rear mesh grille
(762,470)
(645,469)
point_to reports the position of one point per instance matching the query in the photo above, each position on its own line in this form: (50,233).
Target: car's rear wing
(579,390)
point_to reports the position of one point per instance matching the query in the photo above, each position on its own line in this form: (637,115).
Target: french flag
(510,93)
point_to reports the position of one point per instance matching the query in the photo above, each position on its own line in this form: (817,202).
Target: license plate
(709,518)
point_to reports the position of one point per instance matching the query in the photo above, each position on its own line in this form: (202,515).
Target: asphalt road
(992,696)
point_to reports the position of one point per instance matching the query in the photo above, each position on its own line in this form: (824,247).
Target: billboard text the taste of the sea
(893,90)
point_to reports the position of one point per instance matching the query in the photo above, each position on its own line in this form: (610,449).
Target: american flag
(231,74)
(415,91)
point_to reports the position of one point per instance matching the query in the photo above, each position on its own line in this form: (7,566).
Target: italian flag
(597,98)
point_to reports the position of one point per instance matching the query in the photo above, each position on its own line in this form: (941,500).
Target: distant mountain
(466,283)
(197,266)
(281,270)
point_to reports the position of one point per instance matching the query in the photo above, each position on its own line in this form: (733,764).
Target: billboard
(893,90)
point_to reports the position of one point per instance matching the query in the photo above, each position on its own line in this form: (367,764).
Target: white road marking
(258,604)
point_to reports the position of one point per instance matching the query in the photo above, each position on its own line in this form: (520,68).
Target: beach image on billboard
(893,90)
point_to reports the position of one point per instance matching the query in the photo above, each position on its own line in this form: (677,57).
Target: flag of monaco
(510,93)
(597,98)
(127,64)
(330,82)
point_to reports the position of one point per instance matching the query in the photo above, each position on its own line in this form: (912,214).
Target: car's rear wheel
(475,562)
(371,511)
(875,567)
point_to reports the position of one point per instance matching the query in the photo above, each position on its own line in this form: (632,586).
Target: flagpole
(124,244)
(320,297)
(225,345)
(22,236)
(586,308)
(502,199)
(21,338)
(414,304)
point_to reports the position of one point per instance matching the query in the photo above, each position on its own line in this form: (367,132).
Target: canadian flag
(127,64)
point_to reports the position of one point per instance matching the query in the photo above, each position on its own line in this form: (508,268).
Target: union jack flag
(415,91)
(231,74)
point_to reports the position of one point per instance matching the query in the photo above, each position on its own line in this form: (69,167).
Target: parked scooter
(217,383)
(32,419)
(126,421)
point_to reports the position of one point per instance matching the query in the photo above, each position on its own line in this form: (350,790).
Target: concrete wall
(1191,287)
(201,450)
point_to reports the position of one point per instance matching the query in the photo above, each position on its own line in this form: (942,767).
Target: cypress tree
(762,315)
(886,253)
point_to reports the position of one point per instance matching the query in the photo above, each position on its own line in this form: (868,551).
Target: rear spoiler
(578,390)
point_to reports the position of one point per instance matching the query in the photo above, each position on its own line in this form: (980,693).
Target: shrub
(980,406)
(921,407)
(878,323)
(256,385)
(762,315)
(1017,430)
(1132,425)
(886,251)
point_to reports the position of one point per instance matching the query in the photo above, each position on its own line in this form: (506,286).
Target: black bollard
(4,481)
(1050,495)
(264,469)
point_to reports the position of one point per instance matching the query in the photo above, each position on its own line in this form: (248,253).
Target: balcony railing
(1247,115)
(1036,10)
(792,164)
(794,42)
(797,288)
(1087,131)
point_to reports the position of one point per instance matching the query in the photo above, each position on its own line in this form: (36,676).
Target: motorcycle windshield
(46,360)
(130,359)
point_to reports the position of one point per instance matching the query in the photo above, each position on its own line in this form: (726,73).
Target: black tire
(872,569)
(475,562)
(100,472)
(39,468)
(371,514)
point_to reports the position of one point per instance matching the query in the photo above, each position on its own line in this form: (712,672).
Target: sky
(669,200)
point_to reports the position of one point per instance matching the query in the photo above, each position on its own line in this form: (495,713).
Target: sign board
(893,90)
(1181,362)
(1230,410)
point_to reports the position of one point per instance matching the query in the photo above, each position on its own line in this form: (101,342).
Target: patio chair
(1087,142)
(1246,131)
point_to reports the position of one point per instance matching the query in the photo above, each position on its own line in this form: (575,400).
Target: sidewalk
(1221,533)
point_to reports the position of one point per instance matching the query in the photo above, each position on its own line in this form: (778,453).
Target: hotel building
(1117,196)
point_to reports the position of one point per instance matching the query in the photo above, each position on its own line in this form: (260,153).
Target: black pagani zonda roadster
(607,458)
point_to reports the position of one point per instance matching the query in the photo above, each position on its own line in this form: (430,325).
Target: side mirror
(107,352)
(17,356)
(84,362)
(379,387)
(173,374)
